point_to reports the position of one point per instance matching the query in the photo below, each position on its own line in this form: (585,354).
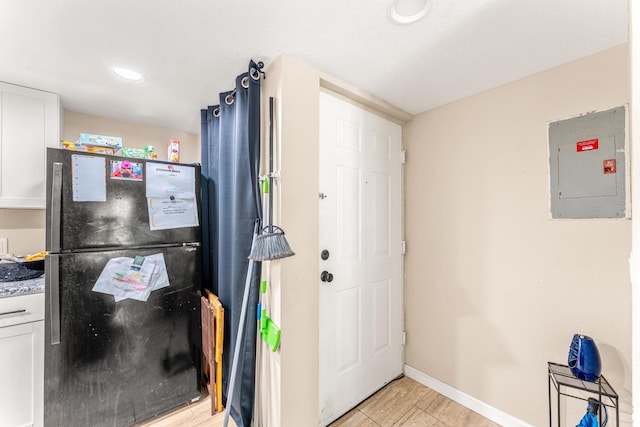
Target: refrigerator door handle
(52,282)
(56,206)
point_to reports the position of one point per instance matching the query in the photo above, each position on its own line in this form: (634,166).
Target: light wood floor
(407,403)
(402,403)
(197,414)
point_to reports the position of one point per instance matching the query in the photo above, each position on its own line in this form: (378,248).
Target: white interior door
(361,308)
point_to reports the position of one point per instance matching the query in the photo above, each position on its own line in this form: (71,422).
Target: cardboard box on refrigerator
(100,140)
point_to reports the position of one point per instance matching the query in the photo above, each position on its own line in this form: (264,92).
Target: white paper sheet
(165,213)
(120,280)
(88,178)
(165,180)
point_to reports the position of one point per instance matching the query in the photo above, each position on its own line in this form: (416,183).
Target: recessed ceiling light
(128,74)
(409,11)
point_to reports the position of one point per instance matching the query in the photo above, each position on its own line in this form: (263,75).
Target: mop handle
(270,177)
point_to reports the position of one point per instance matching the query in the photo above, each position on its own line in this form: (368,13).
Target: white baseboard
(487,411)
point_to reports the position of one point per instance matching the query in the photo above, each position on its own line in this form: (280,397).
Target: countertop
(22,287)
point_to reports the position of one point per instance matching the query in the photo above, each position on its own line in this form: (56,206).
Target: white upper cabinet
(29,122)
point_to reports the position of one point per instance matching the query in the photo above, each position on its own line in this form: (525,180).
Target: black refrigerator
(114,358)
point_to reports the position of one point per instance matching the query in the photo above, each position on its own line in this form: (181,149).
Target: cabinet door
(22,373)
(29,122)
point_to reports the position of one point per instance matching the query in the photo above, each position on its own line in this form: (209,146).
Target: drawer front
(21,309)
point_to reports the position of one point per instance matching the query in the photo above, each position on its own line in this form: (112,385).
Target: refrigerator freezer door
(120,221)
(118,363)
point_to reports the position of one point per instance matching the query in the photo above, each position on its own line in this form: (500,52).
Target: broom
(271,244)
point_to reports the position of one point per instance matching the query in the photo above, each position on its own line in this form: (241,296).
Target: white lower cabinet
(21,365)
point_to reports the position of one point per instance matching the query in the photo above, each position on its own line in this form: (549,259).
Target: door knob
(324,255)
(325,276)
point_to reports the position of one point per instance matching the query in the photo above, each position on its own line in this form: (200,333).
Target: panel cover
(587,165)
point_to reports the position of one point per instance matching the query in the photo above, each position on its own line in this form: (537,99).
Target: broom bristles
(270,246)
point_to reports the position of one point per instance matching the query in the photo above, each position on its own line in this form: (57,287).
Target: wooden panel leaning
(212,341)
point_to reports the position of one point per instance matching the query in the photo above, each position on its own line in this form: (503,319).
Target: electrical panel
(587,165)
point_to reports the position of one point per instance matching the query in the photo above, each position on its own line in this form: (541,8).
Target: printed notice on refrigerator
(171,196)
(166,180)
(170,212)
(88,177)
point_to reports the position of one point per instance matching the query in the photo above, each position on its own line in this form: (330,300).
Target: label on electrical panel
(589,145)
(609,166)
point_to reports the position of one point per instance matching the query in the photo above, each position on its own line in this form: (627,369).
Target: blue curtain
(230,207)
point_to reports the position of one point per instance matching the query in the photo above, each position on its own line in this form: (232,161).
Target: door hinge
(404,338)
(403,157)
(403,247)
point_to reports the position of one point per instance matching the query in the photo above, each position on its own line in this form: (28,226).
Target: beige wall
(295,87)
(25,228)
(494,287)
(133,135)
(634,41)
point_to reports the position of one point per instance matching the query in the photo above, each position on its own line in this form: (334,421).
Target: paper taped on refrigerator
(123,279)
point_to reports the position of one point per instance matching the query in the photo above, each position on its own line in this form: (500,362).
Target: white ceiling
(190,50)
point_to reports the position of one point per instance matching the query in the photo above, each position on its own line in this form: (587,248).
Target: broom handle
(238,344)
(270,205)
(239,335)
